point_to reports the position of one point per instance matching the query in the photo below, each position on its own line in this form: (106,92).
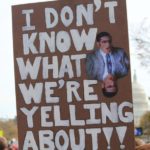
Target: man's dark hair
(109,94)
(102,34)
(3,143)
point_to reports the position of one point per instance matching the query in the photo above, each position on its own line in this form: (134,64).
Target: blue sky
(137,11)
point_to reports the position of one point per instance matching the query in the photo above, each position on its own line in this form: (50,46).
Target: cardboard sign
(72,72)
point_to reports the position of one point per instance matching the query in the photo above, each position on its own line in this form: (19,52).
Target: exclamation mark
(121,131)
(108,135)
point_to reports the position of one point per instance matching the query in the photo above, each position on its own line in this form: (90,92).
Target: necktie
(109,63)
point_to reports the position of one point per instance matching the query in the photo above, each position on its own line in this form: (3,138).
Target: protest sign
(70,94)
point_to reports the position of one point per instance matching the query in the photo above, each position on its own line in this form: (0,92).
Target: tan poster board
(72,72)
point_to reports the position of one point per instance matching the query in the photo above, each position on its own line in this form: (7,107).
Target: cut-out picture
(107,64)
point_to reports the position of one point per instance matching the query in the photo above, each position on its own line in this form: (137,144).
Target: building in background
(140,100)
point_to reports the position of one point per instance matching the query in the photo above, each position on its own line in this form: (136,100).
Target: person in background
(3,144)
(13,144)
(13,147)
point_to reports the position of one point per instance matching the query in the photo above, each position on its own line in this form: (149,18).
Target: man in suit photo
(107,64)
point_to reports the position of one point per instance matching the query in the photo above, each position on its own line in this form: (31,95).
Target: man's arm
(125,64)
(90,71)
(126,61)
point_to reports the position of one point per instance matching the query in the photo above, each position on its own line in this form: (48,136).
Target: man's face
(110,84)
(105,43)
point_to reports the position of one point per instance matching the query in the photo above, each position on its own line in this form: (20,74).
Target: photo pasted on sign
(72,73)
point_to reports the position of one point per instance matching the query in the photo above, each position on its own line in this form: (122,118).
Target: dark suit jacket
(95,64)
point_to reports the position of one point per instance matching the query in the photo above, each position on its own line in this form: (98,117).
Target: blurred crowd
(5,145)
(12,145)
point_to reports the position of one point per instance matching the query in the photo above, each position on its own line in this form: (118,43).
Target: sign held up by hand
(72,74)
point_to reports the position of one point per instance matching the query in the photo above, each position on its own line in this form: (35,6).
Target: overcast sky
(137,11)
